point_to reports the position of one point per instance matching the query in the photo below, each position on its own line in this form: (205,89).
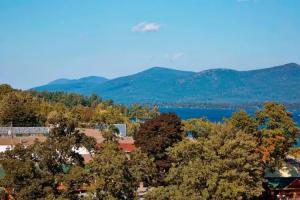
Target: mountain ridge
(91,79)
(165,85)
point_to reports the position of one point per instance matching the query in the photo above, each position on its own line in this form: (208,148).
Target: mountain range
(163,85)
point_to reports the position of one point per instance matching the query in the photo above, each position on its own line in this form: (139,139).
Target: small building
(11,136)
(8,142)
(284,183)
(283,188)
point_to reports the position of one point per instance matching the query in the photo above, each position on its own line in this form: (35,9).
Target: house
(283,188)
(8,142)
(11,136)
(284,183)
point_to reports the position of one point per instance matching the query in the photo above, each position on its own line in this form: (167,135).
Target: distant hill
(163,85)
(72,85)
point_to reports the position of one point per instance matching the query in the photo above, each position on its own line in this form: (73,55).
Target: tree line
(218,161)
(32,108)
(223,160)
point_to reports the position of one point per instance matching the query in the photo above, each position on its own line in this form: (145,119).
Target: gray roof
(24,130)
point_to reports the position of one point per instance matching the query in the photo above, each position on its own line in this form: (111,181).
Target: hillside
(81,85)
(158,85)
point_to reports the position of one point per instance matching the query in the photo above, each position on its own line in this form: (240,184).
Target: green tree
(111,174)
(107,115)
(197,127)
(18,110)
(94,100)
(76,179)
(142,167)
(223,166)
(137,112)
(116,175)
(62,142)
(23,176)
(110,134)
(36,171)
(155,112)
(241,120)
(4,90)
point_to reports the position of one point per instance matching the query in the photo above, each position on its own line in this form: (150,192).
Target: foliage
(34,172)
(274,128)
(115,175)
(142,167)
(277,133)
(241,120)
(31,108)
(18,109)
(155,136)
(197,127)
(68,99)
(223,166)
(23,176)
(110,134)
(108,115)
(138,112)
(4,90)
(76,179)
(222,161)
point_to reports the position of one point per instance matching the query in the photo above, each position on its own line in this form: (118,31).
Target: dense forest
(31,108)
(220,161)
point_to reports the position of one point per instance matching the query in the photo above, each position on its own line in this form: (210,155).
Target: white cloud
(145,27)
(174,56)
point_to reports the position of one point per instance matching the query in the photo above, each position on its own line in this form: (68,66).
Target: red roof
(60,187)
(127,147)
(294,184)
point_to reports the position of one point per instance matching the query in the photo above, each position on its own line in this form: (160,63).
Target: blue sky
(42,40)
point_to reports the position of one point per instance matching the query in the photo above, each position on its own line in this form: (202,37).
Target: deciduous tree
(223,166)
(155,136)
(277,133)
(18,109)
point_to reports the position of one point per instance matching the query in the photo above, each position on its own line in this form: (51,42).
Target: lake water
(214,114)
(217,115)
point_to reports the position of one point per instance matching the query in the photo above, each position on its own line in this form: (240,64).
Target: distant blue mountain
(72,85)
(163,85)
